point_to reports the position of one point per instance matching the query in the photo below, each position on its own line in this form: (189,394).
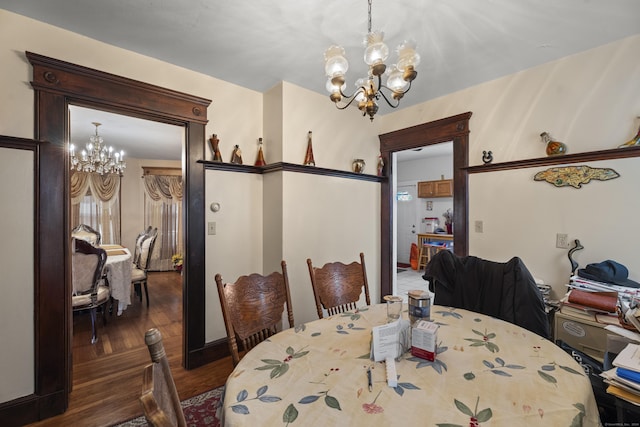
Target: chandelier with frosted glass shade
(97,157)
(369,90)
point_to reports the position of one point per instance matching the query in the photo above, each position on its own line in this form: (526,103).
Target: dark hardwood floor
(107,376)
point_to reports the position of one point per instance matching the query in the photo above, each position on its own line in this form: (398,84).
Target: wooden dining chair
(252,308)
(337,287)
(89,291)
(159,398)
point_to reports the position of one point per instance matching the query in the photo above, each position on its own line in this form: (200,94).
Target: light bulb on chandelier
(370,90)
(97,157)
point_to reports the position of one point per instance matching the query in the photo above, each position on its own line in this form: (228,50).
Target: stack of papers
(594,306)
(624,378)
(625,293)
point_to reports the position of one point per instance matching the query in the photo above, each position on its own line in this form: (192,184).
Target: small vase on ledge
(260,159)
(554,148)
(358,165)
(449,228)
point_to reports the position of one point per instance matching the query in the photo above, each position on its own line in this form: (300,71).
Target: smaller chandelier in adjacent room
(370,89)
(97,157)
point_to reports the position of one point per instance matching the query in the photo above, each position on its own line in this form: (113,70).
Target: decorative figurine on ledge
(260,159)
(554,148)
(633,141)
(308,158)
(487,157)
(358,165)
(213,145)
(236,155)
(380,166)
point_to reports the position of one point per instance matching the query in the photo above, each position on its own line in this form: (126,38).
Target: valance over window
(95,201)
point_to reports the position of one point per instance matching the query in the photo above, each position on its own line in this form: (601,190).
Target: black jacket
(506,291)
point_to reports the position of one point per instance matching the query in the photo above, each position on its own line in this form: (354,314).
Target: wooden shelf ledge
(589,156)
(289,167)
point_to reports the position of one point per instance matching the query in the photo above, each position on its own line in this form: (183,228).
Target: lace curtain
(163,209)
(95,201)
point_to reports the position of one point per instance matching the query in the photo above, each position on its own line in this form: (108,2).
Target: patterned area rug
(201,410)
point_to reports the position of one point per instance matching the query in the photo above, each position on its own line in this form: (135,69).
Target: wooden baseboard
(31,408)
(212,351)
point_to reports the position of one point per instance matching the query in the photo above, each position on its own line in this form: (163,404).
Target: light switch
(479,226)
(212,228)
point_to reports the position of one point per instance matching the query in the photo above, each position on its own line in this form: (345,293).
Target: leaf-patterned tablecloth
(487,373)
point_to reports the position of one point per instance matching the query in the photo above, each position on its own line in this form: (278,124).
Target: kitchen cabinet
(440,188)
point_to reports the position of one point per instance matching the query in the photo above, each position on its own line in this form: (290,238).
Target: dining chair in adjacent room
(159,398)
(86,232)
(337,287)
(89,289)
(138,245)
(142,257)
(252,308)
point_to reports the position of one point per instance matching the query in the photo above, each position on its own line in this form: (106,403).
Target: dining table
(118,270)
(486,372)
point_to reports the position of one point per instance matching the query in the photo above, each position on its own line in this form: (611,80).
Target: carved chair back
(252,308)
(337,287)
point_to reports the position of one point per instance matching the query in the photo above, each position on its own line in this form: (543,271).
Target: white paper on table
(389,340)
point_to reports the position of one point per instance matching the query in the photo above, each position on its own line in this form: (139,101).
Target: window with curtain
(163,209)
(95,201)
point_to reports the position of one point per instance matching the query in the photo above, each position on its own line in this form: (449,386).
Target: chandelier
(370,89)
(97,157)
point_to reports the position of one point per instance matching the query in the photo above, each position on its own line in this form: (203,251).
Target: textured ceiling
(257,44)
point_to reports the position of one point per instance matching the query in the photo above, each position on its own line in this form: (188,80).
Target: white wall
(328,219)
(17,177)
(589,101)
(236,248)
(601,214)
(338,136)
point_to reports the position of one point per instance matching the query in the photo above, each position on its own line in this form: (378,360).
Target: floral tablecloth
(487,373)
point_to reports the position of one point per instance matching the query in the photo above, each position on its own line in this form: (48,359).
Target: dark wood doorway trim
(58,84)
(454,128)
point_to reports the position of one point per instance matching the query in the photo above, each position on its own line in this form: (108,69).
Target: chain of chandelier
(97,157)
(370,89)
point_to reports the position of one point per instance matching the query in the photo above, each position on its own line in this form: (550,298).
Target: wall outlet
(479,226)
(562,241)
(212,228)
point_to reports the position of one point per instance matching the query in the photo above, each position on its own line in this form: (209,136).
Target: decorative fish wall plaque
(575,176)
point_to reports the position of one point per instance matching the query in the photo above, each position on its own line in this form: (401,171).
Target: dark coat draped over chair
(506,291)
